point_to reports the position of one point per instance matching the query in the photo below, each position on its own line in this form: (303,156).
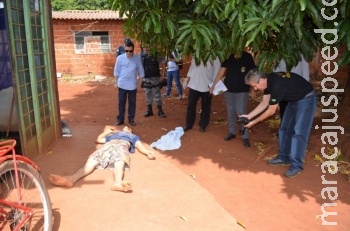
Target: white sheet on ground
(169,141)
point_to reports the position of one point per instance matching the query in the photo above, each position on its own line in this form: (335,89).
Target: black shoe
(201,129)
(246,143)
(277,161)
(230,136)
(161,114)
(148,113)
(132,122)
(119,122)
(186,128)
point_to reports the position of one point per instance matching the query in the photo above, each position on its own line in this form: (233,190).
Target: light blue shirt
(127,70)
(172,66)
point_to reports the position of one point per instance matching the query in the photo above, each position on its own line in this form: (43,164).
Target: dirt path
(254,193)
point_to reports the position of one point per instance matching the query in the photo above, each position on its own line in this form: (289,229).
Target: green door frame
(31,40)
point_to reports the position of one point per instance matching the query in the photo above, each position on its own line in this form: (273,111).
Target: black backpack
(151,65)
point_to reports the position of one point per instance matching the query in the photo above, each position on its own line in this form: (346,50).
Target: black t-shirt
(286,86)
(236,70)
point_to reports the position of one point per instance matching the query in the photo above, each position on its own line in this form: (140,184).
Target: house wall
(67,62)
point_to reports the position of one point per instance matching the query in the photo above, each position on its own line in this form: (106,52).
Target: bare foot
(60,181)
(122,187)
(124,182)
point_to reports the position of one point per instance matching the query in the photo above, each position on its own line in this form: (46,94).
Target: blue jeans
(122,96)
(170,76)
(295,130)
(236,104)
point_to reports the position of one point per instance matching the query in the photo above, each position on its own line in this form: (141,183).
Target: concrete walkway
(163,197)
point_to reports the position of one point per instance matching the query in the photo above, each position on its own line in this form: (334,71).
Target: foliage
(60,5)
(272,29)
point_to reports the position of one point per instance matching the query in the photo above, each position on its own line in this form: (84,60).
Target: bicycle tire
(34,196)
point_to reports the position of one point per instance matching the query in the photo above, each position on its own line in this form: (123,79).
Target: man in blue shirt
(115,153)
(127,67)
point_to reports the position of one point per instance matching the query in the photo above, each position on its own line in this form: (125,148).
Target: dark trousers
(283,106)
(122,96)
(193,97)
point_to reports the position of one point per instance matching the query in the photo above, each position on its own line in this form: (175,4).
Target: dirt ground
(257,195)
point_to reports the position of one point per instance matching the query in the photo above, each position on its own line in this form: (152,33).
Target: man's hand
(211,90)
(249,125)
(184,84)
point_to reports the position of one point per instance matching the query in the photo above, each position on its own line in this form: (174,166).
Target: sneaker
(277,161)
(180,97)
(292,172)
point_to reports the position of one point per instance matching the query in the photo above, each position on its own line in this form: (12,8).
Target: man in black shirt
(236,97)
(297,121)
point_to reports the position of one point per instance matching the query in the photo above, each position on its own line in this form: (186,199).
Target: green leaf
(252,26)
(302,4)
(252,37)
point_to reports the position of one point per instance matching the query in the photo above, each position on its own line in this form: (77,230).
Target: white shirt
(203,75)
(302,68)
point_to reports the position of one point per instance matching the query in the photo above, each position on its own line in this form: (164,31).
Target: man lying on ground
(115,152)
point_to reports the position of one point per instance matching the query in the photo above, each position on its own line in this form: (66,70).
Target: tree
(60,5)
(273,29)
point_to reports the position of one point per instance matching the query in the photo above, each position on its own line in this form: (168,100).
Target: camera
(242,122)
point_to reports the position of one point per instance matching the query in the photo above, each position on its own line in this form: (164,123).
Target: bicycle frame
(7,147)
(27,211)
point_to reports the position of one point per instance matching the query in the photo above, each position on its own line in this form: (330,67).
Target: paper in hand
(219,87)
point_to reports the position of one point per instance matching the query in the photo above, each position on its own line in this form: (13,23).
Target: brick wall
(68,62)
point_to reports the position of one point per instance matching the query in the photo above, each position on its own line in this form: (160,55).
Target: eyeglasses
(129,51)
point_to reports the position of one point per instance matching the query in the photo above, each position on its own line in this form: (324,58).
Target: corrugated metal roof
(87,15)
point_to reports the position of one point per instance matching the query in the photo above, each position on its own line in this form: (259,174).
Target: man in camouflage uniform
(150,83)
